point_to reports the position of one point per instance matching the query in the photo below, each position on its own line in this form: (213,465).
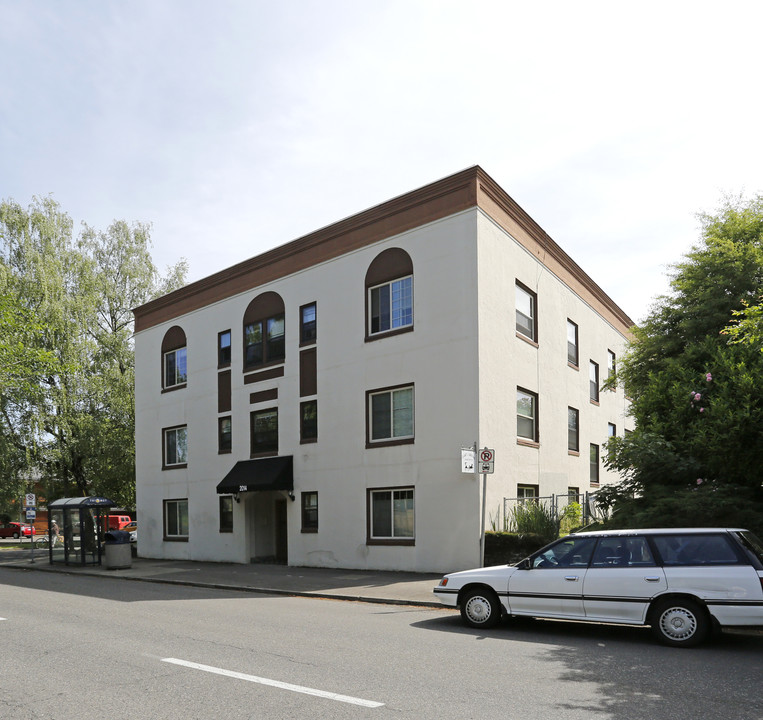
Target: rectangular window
(527,492)
(691,549)
(264,432)
(391,305)
(223,348)
(175,368)
(308,324)
(390,415)
(391,515)
(572,343)
(611,365)
(264,341)
(176,519)
(593,375)
(573,494)
(594,464)
(527,415)
(226,513)
(527,319)
(309,512)
(611,430)
(308,421)
(224,435)
(573,432)
(176,446)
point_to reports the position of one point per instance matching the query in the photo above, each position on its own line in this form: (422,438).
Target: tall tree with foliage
(72,412)
(696,456)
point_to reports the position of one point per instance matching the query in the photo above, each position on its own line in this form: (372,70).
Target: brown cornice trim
(496,202)
(405,212)
(469,188)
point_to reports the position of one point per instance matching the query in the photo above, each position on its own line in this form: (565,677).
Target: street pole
(482,521)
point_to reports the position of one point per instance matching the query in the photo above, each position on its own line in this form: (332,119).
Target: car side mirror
(525,564)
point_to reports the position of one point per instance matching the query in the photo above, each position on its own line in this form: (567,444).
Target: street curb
(236,588)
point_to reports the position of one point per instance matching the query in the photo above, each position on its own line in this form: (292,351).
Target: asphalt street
(89,647)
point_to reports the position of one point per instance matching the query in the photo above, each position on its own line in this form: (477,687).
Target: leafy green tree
(72,413)
(696,456)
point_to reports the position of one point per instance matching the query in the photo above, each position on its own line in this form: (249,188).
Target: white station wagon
(681,582)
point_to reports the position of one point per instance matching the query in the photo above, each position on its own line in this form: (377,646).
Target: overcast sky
(236,126)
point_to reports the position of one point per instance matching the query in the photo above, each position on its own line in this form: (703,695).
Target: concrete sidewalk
(400,588)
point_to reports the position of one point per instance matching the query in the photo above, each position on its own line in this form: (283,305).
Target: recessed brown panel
(223,391)
(275,372)
(263,396)
(308,373)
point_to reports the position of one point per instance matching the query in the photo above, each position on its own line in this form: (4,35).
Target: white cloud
(238,126)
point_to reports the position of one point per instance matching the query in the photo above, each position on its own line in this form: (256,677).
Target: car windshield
(752,544)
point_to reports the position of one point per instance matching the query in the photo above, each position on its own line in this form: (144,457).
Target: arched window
(174,359)
(389,293)
(264,331)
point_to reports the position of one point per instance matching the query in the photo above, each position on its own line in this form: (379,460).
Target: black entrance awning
(271,473)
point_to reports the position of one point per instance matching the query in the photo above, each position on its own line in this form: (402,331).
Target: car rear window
(696,550)
(753,546)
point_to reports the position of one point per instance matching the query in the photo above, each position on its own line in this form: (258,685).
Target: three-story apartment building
(309,405)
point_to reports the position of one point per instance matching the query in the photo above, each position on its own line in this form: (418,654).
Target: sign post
(486,465)
(30,506)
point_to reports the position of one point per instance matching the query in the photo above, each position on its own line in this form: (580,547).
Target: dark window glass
(527,415)
(572,429)
(308,324)
(392,305)
(572,343)
(593,374)
(309,511)
(223,348)
(175,367)
(226,513)
(392,514)
(696,550)
(594,463)
(224,443)
(526,317)
(253,346)
(264,431)
(309,420)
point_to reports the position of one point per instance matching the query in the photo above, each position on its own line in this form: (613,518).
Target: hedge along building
(309,405)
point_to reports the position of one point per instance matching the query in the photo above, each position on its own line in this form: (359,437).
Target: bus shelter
(80,522)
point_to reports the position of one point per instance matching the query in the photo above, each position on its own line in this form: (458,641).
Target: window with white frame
(176,519)
(390,415)
(572,343)
(573,429)
(174,359)
(527,415)
(594,464)
(175,367)
(526,312)
(527,493)
(593,376)
(391,305)
(391,515)
(175,441)
(611,365)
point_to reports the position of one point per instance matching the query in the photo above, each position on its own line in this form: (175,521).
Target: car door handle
(571,578)
(652,578)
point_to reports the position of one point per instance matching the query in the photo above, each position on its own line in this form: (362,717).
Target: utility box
(118,553)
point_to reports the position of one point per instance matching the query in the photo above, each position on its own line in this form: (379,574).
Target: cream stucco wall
(507,361)
(439,357)
(465,362)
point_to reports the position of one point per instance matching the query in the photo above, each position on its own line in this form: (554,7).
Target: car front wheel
(15,536)
(681,623)
(480,608)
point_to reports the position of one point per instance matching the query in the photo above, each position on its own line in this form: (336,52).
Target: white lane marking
(274,683)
